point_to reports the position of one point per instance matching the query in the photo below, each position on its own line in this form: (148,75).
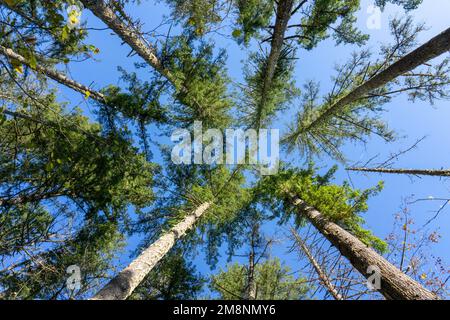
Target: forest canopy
(95,94)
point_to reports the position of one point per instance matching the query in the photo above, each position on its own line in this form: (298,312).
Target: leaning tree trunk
(122,285)
(53,74)
(432,49)
(322,275)
(394,283)
(129,35)
(434,173)
(133,37)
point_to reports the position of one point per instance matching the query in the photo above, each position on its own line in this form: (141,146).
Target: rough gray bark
(416,172)
(53,74)
(394,283)
(322,275)
(122,285)
(432,49)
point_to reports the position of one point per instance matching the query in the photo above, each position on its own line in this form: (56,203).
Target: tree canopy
(93,205)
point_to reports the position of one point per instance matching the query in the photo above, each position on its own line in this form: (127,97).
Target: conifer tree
(65,197)
(272,281)
(338,220)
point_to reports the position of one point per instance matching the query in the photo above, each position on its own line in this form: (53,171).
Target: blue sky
(411,121)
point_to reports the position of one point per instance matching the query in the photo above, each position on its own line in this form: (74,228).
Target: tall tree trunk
(250,290)
(122,285)
(135,40)
(129,35)
(53,74)
(283,12)
(322,275)
(432,49)
(394,283)
(416,172)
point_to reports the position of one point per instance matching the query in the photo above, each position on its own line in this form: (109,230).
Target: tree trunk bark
(122,285)
(55,75)
(394,283)
(419,172)
(432,49)
(322,275)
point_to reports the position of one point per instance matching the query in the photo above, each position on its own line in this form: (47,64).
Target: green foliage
(354,123)
(23,226)
(199,15)
(407,4)
(139,107)
(182,188)
(252,16)
(274,281)
(317,130)
(43,275)
(43,25)
(138,104)
(337,15)
(70,189)
(201,83)
(105,173)
(66,192)
(261,102)
(340,204)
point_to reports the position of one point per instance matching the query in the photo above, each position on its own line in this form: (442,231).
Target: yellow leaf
(74,17)
(87,94)
(18,69)
(423,276)
(74,20)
